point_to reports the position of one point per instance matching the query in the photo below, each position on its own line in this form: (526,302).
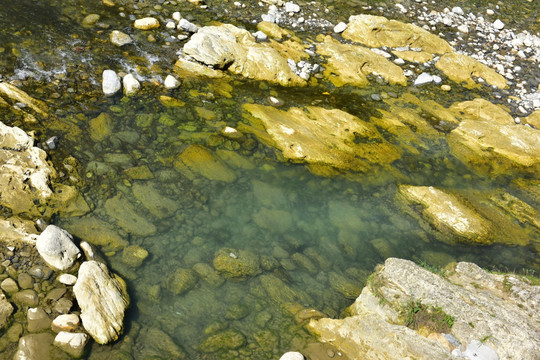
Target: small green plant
(375,282)
(432,268)
(486,338)
(416,315)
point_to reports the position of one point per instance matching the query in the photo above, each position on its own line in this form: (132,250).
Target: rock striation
(103,300)
(500,310)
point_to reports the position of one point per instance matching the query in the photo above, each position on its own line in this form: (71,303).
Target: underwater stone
(128,217)
(38,320)
(110,83)
(97,232)
(71,343)
(181,281)
(197,159)
(100,127)
(5,310)
(225,340)
(134,255)
(154,200)
(38,346)
(235,264)
(171,82)
(185,25)
(292,355)
(158,345)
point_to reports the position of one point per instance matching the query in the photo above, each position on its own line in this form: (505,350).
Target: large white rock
(131,85)
(72,343)
(56,247)
(110,83)
(103,300)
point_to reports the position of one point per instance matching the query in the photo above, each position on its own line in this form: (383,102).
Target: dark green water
(317,239)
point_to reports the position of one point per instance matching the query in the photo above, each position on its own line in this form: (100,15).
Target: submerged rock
(128,217)
(103,300)
(181,280)
(5,310)
(476,299)
(319,136)
(154,200)
(224,340)
(71,343)
(96,231)
(119,38)
(235,264)
(56,247)
(159,344)
(199,160)
(39,346)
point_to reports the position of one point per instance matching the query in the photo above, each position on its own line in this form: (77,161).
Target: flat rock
(496,149)
(475,298)
(103,300)
(196,159)
(378,31)
(38,347)
(96,232)
(320,136)
(66,322)
(350,64)
(481,109)
(460,68)
(159,344)
(235,49)
(119,38)
(156,201)
(56,247)
(127,217)
(38,320)
(236,264)
(67,279)
(71,343)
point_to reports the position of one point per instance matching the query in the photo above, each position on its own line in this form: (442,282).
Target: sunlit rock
(14,94)
(110,83)
(350,64)
(460,68)
(127,216)
(236,264)
(478,301)
(197,160)
(186,68)
(134,255)
(14,229)
(56,247)
(378,31)
(448,214)
(481,109)
(533,119)
(146,23)
(96,231)
(131,84)
(119,38)
(316,135)
(235,49)
(72,343)
(103,299)
(496,149)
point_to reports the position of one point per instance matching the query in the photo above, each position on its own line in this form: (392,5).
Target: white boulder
(131,85)
(56,247)
(110,83)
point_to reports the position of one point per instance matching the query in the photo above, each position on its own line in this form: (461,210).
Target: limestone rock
(127,217)
(38,320)
(181,280)
(146,23)
(154,200)
(38,346)
(24,172)
(9,286)
(460,68)
(110,83)
(56,247)
(199,160)
(321,137)
(235,49)
(96,231)
(496,149)
(448,214)
(235,264)
(185,68)
(16,95)
(350,64)
(5,310)
(475,298)
(14,229)
(171,82)
(533,119)
(119,38)
(67,279)
(292,355)
(378,31)
(208,274)
(103,300)
(71,343)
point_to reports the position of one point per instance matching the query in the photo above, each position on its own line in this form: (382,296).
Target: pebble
(146,23)
(131,85)
(170,25)
(171,82)
(498,25)
(292,355)
(187,26)
(458,10)
(291,7)
(268,18)
(52,142)
(119,38)
(517,120)
(339,28)
(463,28)
(110,83)
(399,61)
(423,78)
(446,87)
(260,36)
(176,16)
(490,12)
(67,279)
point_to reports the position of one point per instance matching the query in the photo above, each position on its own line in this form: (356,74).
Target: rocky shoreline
(56,287)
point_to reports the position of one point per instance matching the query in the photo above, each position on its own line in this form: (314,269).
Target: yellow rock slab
(481,109)
(199,160)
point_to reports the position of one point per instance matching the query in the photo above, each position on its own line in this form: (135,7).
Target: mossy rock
(181,281)
(134,255)
(235,264)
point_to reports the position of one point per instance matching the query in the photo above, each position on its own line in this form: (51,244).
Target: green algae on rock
(198,160)
(239,265)
(321,137)
(96,232)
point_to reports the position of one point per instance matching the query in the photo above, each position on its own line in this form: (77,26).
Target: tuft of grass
(414,314)
(375,283)
(432,268)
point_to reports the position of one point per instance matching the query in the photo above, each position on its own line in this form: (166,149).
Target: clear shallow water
(315,239)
